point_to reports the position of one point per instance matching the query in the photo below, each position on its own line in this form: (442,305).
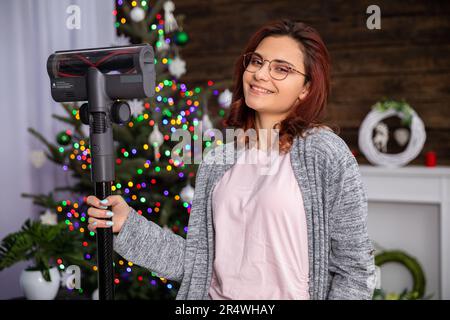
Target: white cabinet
(409,209)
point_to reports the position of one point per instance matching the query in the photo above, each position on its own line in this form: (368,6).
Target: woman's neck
(265,127)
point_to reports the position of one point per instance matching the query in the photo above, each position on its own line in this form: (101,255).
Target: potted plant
(42,243)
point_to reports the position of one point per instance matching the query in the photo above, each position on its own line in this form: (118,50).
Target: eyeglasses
(278,69)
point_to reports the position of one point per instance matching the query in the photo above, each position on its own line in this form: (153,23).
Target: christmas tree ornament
(187,193)
(63,138)
(178,67)
(180,38)
(49,218)
(401,135)
(170,23)
(156,139)
(137,14)
(37,158)
(163,45)
(206,123)
(225,99)
(136,106)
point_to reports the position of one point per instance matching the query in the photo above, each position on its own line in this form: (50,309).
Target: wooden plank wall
(408,58)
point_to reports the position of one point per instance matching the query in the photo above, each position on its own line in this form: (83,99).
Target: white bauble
(187,193)
(137,14)
(156,139)
(37,158)
(225,98)
(401,135)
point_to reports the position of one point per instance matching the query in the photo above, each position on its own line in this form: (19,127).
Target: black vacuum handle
(105,249)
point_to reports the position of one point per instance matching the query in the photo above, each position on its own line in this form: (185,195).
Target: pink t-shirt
(261,249)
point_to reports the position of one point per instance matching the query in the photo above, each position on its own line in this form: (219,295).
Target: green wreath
(400,106)
(413,266)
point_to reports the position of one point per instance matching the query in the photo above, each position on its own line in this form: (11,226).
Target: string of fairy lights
(167,93)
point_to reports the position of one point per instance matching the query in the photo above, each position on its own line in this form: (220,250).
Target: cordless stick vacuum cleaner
(102,76)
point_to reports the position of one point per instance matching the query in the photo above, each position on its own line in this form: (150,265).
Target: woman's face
(284,94)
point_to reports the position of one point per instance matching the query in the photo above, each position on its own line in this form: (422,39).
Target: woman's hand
(98,212)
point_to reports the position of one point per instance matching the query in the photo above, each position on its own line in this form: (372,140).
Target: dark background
(408,58)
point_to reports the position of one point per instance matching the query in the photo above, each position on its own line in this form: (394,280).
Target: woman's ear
(304,92)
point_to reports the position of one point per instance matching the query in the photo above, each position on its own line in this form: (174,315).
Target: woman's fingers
(105,203)
(112,200)
(95,202)
(99,223)
(94,223)
(99,213)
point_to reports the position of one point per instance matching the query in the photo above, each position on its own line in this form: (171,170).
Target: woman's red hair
(309,111)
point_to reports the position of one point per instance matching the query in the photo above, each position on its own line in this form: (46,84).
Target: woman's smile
(259,91)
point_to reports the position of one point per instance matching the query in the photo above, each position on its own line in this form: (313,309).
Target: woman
(298,232)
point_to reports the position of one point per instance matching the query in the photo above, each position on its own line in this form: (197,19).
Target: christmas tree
(147,177)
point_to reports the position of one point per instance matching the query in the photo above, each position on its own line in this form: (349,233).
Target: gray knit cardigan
(341,255)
